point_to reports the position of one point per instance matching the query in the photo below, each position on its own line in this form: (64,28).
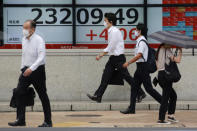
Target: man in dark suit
(117,58)
(33,72)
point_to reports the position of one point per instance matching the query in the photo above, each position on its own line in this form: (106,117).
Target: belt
(161,70)
(117,55)
(38,66)
(140,63)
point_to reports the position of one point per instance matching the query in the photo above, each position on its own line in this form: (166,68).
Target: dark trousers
(114,62)
(38,80)
(142,76)
(169,96)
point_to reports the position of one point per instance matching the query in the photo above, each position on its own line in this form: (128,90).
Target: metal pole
(145,14)
(74,22)
(1,23)
(193,53)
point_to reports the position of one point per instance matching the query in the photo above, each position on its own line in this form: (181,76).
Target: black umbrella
(174,38)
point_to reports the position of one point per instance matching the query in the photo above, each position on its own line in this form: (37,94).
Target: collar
(140,38)
(110,29)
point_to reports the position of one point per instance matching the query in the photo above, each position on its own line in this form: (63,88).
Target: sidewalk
(147,119)
(104,106)
(106,114)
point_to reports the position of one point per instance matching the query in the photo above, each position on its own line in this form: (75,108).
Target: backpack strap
(165,56)
(146,44)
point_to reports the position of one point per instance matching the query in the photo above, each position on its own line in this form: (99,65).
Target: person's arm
(134,59)
(177,59)
(22,62)
(111,45)
(98,57)
(41,56)
(139,55)
(22,58)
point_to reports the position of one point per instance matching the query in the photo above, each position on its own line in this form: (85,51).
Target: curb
(105,106)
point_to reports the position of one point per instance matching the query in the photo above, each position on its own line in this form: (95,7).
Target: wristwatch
(129,63)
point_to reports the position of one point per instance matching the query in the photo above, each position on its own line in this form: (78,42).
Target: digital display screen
(53,24)
(54,20)
(90,27)
(61,27)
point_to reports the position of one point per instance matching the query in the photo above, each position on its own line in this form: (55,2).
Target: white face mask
(105,24)
(25,33)
(136,33)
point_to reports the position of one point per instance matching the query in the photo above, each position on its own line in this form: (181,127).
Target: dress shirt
(33,52)
(115,42)
(141,47)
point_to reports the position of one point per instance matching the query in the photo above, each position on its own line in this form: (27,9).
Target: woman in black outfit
(169,97)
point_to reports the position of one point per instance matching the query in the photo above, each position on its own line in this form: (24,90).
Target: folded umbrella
(174,38)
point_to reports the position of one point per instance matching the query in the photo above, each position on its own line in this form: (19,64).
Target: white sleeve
(41,55)
(22,62)
(142,46)
(22,58)
(113,41)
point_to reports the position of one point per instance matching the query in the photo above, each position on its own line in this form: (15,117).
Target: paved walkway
(145,118)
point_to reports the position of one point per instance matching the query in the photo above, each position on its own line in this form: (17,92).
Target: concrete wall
(73,73)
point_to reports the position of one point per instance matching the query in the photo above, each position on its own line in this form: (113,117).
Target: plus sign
(91,35)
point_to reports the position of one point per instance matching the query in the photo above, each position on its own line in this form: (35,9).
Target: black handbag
(28,98)
(172,73)
(117,78)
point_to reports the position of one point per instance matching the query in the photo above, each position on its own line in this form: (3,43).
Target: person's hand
(98,57)
(125,65)
(27,72)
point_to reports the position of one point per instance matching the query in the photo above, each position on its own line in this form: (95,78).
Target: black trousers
(114,62)
(142,76)
(38,80)
(169,96)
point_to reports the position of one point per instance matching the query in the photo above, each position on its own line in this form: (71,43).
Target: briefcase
(27,98)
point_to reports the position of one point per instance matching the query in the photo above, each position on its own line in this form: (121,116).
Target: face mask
(136,33)
(105,24)
(25,33)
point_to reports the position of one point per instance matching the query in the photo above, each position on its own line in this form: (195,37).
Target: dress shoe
(140,98)
(46,125)
(94,98)
(127,111)
(17,123)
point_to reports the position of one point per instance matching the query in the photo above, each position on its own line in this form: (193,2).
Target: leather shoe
(94,98)
(140,98)
(17,123)
(127,111)
(46,125)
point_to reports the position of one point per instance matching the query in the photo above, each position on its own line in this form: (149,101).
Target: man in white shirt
(142,75)
(117,58)
(33,72)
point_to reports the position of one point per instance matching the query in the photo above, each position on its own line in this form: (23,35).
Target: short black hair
(33,23)
(111,18)
(142,27)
